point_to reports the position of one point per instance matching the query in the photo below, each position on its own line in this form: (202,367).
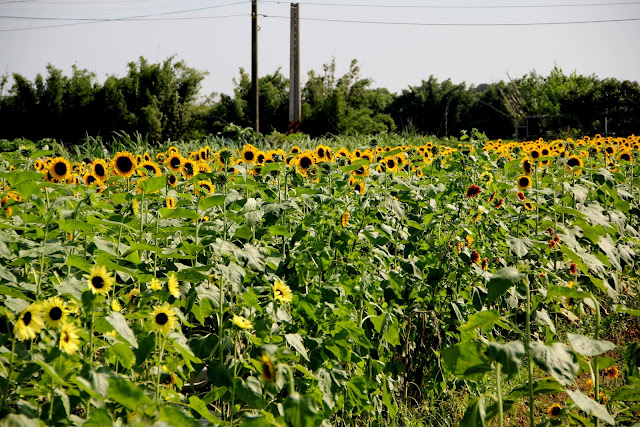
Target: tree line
(161,101)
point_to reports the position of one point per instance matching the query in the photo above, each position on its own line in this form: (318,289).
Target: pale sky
(395,56)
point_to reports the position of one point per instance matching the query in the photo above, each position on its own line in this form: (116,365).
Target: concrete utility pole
(295,109)
(254,66)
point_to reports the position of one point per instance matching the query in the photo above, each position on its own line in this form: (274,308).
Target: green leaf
(209,202)
(299,410)
(127,394)
(543,386)
(48,369)
(467,360)
(589,347)
(295,341)
(624,309)
(175,417)
(7,275)
(591,407)
(509,355)
(200,407)
(71,225)
(627,394)
(475,414)
(167,213)
(119,323)
(357,393)
(99,418)
(565,291)
(556,360)
(520,247)
(279,230)
(20,420)
(501,281)
(79,263)
(481,319)
(150,185)
(123,353)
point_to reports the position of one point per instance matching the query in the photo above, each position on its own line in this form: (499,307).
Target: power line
(510,6)
(458,24)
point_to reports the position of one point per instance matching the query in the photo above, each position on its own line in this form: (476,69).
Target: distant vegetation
(161,101)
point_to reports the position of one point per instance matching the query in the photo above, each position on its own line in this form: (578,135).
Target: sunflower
(572,163)
(473,191)
(268,370)
(281,291)
(554,410)
(249,153)
(320,152)
(241,322)
(100,280)
(124,164)
(172,180)
(60,169)
(527,167)
(390,163)
(612,372)
(205,186)
(498,205)
(305,161)
(345,218)
(359,187)
(155,284)
(528,206)
(90,179)
(172,150)
(171,203)
(39,165)
(610,150)
(29,323)
(475,257)
(174,162)
(521,196)
(55,312)
(295,150)
(524,182)
(188,169)
(625,156)
(151,168)
(69,338)
(100,169)
(486,177)
(573,268)
(163,318)
(174,285)
(535,154)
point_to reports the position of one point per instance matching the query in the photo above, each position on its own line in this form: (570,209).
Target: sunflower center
(278,293)
(65,337)
(97,282)
(55,313)
(91,179)
(188,168)
(99,169)
(150,169)
(573,162)
(26,318)
(305,162)
(320,152)
(248,156)
(260,158)
(172,179)
(162,319)
(555,411)
(524,181)
(175,162)
(60,168)
(124,164)
(391,163)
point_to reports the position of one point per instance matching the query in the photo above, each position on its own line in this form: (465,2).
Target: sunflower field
(347,281)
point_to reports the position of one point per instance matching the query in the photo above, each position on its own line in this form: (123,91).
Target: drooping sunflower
(572,163)
(281,291)
(60,169)
(147,157)
(151,168)
(29,323)
(54,312)
(100,169)
(163,318)
(174,285)
(528,206)
(174,162)
(172,150)
(249,153)
(345,218)
(69,338)
(473,191)
(554,410)
(100,280)
(241,322)
(171,203)
(268,370)
(124,164)
(524,182)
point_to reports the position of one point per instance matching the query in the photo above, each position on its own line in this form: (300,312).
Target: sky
(397,43)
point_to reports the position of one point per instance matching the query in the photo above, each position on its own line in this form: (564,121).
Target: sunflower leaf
(119,323)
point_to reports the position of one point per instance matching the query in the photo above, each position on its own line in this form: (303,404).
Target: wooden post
(254,66)
(295,109)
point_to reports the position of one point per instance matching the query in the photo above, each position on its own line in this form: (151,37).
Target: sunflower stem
(499,390)
(6,389)
(160,358)
(91,334)
(596,377)
(527,339)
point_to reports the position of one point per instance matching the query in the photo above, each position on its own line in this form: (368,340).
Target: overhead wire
(425,6)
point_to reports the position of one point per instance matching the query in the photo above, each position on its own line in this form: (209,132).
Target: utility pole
(295,108)
(254,66)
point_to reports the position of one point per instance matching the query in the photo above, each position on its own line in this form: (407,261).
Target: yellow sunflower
(124,164)
(29,323)
(151,168)
(572,163)
(174,162)
(554,410)
(55,312)
(69,338)
(205,187)
(282,292)
(625,156)
(60,169)
(528,206)
(172,180)
(188,169)
(241,322)
(90,179)
(171,203)
(268,369)
(155,284)
(345,218)
(249,154)
(100,280)
(163,318)
(359,187)
(174,285)
(305,161)
(100,169)
(524,182)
